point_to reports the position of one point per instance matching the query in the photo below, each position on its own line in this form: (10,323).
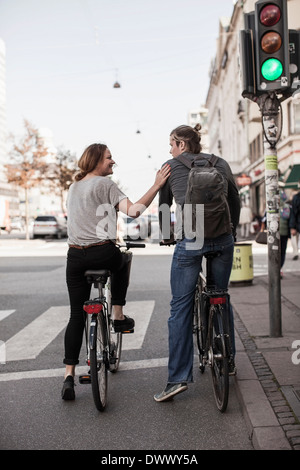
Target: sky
(64,56)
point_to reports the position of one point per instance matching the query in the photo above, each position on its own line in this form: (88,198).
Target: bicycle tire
(199,326)
(98,360)
(219,358)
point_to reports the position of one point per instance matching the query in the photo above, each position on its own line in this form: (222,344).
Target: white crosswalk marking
(141,311)
(5,313)
(29,342)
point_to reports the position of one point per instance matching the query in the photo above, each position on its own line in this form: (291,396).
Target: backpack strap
(185,161)
(212,159)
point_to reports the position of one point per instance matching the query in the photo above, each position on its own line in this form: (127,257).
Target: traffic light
(271,46)
(247,55)
(294,49)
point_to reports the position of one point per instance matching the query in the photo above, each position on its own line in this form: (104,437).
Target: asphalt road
(33,415)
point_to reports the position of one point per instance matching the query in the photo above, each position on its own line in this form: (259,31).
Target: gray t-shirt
(91,207)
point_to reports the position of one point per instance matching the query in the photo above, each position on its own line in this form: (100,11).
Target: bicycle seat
(99,275)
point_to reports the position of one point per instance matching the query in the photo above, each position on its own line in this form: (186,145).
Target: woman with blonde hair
(93,203)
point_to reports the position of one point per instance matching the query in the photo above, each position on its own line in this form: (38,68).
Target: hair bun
(197,127)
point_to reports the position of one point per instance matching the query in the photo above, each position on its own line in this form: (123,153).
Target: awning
(293,181)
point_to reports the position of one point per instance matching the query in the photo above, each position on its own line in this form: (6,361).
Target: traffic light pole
(271,119)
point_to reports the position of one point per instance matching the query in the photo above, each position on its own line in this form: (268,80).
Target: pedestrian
(93,202)
(187,260)
(246,217)
(295,223)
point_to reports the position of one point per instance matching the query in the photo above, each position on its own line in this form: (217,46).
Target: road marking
(141,311)
(49,373)
(31,340)
(5,313)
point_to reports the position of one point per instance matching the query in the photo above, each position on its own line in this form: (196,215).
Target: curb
(269,417)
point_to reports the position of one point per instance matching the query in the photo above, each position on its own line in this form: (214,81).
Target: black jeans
(106,256)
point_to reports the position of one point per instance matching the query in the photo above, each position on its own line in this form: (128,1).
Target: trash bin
(242,266)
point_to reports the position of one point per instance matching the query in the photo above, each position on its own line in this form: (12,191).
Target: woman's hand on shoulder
(162,175)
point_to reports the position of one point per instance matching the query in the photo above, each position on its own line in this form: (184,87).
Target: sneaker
(170,391)
(232,370)
(123,325)
(68,392)
(295,257)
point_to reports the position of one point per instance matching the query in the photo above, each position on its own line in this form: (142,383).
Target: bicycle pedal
(128,331)
(85,379)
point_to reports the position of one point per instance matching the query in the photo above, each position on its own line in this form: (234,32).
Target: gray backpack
(206,186)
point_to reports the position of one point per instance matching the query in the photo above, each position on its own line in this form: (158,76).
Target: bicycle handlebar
(132,245)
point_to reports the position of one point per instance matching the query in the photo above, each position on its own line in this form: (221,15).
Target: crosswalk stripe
(5,313)
(141,311)
(31,340)
(48,373)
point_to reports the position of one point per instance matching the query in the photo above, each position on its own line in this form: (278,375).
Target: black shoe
(123,325)
(68,392)
(295,257)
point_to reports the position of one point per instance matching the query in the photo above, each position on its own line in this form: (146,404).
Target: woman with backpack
(188,253)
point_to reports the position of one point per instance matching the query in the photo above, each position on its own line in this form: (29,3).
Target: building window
(294,115)
(256,148)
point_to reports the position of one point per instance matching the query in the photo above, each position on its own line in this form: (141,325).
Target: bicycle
(211,328)
(104,345)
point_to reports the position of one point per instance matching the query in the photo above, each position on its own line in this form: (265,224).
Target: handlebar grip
(135,245)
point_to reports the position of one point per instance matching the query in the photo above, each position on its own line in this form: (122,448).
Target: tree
(27,165)
(61,173)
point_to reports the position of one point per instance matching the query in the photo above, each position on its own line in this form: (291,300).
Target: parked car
(17,223)
(44,225)
(135,229)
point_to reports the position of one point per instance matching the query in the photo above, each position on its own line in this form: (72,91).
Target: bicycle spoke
(115,351)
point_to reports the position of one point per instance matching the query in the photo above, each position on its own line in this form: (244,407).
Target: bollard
(242,266)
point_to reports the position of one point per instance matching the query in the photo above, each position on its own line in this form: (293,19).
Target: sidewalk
(268,378)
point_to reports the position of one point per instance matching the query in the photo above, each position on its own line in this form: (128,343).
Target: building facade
(9,198)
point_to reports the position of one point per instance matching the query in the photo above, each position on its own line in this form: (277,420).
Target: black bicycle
(104,345)
(211,329)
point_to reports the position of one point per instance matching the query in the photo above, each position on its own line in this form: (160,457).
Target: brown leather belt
(83,247)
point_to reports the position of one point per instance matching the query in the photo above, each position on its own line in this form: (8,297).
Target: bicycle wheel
(115,339)
(115,348)
(219,359)
(199,326)
(98,360)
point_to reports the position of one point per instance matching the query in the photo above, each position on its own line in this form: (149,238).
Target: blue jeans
(186,265)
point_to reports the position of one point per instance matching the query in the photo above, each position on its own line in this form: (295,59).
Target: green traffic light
(271,69)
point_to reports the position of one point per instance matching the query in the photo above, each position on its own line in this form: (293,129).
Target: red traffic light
(270,15)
